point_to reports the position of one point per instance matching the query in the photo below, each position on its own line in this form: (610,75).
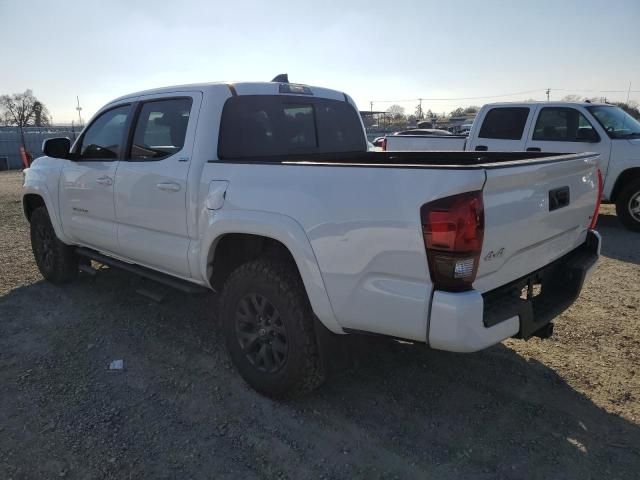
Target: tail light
(383,144)
(453,230)
(594,218)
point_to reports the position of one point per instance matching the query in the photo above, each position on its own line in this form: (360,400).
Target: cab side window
(104,137)
(160,129)
(562,124)
(504,123)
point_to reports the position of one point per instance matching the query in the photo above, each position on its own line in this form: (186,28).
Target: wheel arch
(625,177)
(35,196)
(30,202)
(233,238)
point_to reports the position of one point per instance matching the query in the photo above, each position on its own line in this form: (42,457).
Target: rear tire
(57,262)
(628,205)
(268,327)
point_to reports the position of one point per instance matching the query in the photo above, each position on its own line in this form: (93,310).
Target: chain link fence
(11,141)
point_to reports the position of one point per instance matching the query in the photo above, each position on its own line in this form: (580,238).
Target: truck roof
(241,88)
(544,102)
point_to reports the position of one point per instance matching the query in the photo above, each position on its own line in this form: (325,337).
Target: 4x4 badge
(491,255)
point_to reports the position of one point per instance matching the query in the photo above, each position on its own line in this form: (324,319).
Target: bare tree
(419,114)
(397,113)
(396,109)
(23,110)
(572,98)
(630,108)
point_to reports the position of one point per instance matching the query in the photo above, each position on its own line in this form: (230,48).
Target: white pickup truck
(266,193)
(555,127)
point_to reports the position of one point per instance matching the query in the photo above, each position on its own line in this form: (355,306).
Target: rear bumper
(471,321)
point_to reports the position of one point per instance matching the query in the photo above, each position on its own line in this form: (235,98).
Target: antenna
(548,91)
(624,119)
(79,109)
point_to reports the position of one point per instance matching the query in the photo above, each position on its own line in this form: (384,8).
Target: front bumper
(471,321)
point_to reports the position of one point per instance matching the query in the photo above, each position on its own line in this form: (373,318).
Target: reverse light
(596,212)
(453,231)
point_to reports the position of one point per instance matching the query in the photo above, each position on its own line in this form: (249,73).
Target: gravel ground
(568,407)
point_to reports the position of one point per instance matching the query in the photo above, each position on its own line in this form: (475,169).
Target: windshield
(617,122)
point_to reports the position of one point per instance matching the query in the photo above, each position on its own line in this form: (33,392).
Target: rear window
(504,123)
(268,125)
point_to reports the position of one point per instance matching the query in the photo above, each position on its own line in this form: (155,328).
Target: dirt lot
(568,407)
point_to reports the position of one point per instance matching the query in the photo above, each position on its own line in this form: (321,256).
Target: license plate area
(542,295)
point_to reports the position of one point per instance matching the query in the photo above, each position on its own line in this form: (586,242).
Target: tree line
(396,114)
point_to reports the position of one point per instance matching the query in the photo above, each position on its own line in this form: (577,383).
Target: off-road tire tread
(285,276)
(65,267)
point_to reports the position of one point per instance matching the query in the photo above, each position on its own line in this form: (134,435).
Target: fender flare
(41,190)
(283,229)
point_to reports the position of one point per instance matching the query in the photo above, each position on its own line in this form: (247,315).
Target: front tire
(57,262)
(628,206)
(268,327)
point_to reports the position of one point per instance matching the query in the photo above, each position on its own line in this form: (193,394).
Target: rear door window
(268,125)
(160,129)
(505,123)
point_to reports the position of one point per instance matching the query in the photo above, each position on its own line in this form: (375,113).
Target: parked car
(266,193)
(465,129)
(377,142)
(557,127)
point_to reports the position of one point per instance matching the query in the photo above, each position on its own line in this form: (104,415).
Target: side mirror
(56,147)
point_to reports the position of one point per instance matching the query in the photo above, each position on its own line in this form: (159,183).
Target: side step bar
(165,279)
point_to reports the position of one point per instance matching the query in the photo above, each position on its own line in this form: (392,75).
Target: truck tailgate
(534,213)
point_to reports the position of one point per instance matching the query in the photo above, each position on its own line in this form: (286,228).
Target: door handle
(534,149)
(482,148)
(169,186)
(104,180)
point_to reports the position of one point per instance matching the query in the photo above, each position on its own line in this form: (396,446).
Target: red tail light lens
(594,218)
(453,230)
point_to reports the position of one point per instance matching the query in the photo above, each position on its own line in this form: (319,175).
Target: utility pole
(548,91)
(79,109)
(371,106)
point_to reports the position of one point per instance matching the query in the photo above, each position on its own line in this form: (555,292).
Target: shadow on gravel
(179,410)
(617,241)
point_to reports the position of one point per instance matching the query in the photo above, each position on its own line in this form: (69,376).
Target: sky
(380,51)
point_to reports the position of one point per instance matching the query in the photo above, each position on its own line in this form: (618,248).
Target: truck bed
(361,215)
